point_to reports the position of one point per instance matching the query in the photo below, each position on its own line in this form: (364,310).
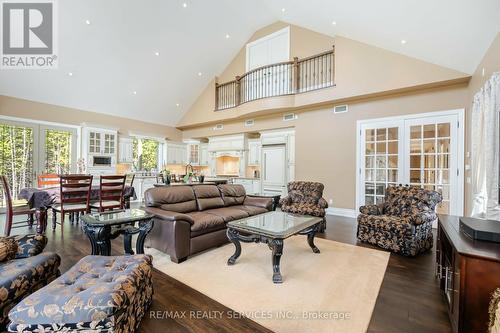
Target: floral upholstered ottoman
(98,294)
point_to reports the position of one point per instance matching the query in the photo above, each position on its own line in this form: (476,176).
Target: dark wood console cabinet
(469,272)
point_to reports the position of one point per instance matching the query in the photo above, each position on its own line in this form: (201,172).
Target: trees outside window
(145,152)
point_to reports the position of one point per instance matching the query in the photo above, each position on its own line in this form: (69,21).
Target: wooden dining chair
(110,193)
(48,180)
(13,208)
(74,197)
(129,181)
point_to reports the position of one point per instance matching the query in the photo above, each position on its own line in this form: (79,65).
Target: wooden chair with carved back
(74,197)
(13,208)
(110,193)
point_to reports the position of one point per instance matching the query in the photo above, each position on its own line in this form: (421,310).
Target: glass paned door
(18,155)
(432,158)
(381,163)
(424,151)
(58,149)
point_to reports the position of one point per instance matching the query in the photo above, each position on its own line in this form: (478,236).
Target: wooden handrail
(279,79)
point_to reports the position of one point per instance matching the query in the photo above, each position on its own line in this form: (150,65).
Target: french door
(28,149)
(422,150)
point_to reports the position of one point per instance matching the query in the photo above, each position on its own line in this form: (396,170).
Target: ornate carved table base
(100,237)
(274,244)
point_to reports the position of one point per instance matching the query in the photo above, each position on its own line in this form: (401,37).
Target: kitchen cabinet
(101,141)
(125,150)
(204,155)
(254,150)
(252,186)
(176,153)
(193,152)
(141,184)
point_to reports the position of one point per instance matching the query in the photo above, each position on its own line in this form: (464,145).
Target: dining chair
(74,197)
(129,181)
(110,193)
(13,208)
(48,180)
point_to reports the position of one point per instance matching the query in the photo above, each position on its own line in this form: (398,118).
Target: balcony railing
(284,78)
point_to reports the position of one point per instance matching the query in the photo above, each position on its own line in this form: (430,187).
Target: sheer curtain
(485,149)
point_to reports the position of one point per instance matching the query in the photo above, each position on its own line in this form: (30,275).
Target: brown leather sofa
(190,219)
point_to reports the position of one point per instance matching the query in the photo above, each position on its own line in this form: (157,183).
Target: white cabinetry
(125,150)
(193,152)
(252,186)
(100,141)
(254,150)
(204,155)
(176,153)
(141,184)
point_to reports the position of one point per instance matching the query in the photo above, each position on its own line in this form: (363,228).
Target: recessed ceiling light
(334,23)
(87,22)
(134,92)
(403,41)
(157,53)
(199,73)
(283,10)
(227,36)
(70,74)
(184,5)
(177,105)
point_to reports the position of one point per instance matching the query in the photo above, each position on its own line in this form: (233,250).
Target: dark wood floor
(409,299)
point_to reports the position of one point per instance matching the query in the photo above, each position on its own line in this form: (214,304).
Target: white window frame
(460,113)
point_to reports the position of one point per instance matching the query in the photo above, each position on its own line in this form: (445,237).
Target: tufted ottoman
(98,294)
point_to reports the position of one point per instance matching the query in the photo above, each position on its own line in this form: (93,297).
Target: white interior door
(432,159)
(268,50)
(424,150)
(274,168)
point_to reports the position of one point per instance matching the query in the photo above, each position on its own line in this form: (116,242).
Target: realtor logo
(28,35)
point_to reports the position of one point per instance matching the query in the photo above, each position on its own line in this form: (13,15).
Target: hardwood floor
(409,299)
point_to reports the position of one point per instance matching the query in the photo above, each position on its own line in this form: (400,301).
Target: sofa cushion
(208,197)
(232,194)
(179,199)
(205,222)
(228,213)
(8,248)
(251,210)
(21,277)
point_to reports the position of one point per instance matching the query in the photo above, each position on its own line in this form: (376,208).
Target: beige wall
(490,64)
(361,70)
(21,108)
(326,142)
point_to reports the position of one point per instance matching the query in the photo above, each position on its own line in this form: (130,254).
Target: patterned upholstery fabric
(403,223)
(8,249)
(29,245)
(22,276)
(494,310)
(98,294)
(304,198)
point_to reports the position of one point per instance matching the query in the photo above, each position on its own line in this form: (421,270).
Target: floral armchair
(403,222)
(305,198)
(23,270)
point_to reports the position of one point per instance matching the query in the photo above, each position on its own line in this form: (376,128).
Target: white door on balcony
(424,150)
(272,81)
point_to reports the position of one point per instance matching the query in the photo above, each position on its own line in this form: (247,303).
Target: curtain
(485,135)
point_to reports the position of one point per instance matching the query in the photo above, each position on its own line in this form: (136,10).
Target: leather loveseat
(190,219)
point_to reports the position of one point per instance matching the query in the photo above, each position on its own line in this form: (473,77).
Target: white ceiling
(114,56)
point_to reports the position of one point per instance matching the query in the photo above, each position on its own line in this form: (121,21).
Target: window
(147,154)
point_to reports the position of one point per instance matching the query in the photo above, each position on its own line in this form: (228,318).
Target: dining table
(41,199)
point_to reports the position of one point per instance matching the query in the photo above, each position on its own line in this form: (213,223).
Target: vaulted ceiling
(150,59)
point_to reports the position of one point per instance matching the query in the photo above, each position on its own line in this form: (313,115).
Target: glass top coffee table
(272,228)
(101,228)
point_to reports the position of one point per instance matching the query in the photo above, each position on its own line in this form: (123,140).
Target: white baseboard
(346,212)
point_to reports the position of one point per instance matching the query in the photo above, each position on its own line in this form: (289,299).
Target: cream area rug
(333,291)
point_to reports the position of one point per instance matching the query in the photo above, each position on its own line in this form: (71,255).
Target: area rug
(333,291)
